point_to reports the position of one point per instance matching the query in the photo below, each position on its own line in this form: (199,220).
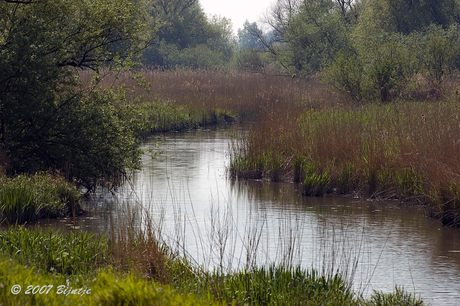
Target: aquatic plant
(398,297)
(278,285)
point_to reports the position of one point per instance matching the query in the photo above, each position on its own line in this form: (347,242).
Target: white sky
(237,10)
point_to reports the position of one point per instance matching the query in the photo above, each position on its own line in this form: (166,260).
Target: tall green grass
(398,297)
(26,198)
(107,287)
(286,286)
(75,253)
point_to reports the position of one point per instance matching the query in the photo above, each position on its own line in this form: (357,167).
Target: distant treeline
(367,49)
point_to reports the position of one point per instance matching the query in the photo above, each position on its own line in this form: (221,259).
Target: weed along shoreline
(299,130)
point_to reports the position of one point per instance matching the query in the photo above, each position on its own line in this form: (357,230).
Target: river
(230,224)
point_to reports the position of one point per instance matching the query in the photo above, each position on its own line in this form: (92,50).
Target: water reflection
(230,223)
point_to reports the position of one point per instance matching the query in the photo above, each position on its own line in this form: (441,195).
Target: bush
(346,74)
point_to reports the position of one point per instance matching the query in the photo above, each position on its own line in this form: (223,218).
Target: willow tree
(47,119)
(310,33)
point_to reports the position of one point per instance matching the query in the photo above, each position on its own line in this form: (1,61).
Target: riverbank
(301,131)
(404,150)
(156,102)
(132,268)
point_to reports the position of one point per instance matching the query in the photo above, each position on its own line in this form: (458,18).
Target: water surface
(230,224)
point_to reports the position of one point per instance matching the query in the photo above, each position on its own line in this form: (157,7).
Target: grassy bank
(304,131)
(404,150)
(99,272)
(162,116)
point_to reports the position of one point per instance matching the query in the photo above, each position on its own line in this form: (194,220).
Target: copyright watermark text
(46,289)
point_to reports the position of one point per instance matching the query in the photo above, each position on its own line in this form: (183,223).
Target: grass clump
(278,285)
(26,198)
(71,254)
(399,297)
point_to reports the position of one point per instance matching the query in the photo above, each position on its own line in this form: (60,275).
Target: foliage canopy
(186,37)
(48,119)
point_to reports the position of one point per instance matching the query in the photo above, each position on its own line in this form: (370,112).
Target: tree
(308,34)
(397,40)
(415,15)
(408,16)
(48,120)
(180,22)
(251,37)
(184,33)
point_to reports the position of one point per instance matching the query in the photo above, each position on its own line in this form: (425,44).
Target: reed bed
(210,97)
(404,150)
(248,95)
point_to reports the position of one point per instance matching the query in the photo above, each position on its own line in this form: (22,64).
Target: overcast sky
(237,10)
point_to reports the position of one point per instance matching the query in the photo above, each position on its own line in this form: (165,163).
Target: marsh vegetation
(345,97)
